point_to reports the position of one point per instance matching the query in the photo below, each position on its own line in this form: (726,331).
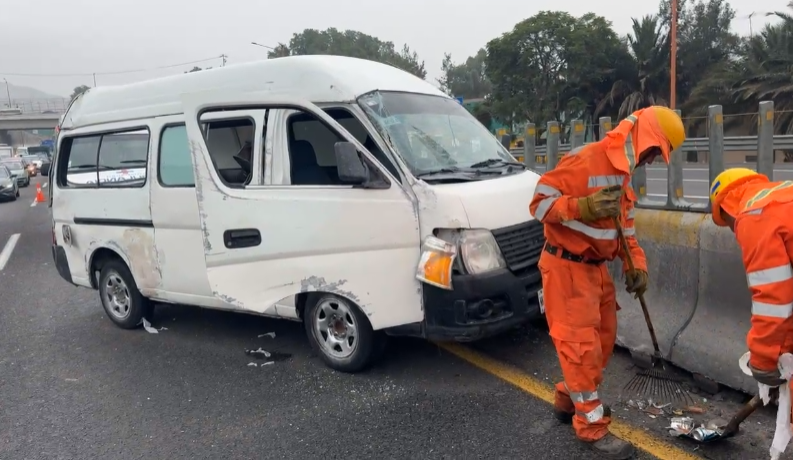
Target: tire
(363,351)
(130,313)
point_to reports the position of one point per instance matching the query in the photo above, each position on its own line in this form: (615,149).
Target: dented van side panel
(360,244)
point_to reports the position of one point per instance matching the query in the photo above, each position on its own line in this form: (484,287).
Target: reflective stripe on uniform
(629,153)
(771,310)
(583,396)
(770,275)
(596,233)
(545,204)
(593,416)
(629,231)
(604,181)
(632,213)
(765,192)
(754,212)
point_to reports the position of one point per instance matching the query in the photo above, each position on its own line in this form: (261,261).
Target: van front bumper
(478,306)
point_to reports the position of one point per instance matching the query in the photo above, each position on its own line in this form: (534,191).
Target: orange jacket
(585,170)
(764,230)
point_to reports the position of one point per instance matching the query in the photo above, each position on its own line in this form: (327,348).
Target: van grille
(521,245)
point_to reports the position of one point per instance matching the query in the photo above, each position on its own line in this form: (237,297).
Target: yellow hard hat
(671,125)
(722,183)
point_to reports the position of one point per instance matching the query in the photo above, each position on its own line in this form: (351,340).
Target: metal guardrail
(715,144)
(36,106)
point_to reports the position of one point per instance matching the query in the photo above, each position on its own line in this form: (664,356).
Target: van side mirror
(349,164)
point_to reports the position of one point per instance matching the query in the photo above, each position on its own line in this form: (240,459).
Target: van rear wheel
(341,334)
(121,299)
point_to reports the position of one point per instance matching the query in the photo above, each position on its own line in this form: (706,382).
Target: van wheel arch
(98,259)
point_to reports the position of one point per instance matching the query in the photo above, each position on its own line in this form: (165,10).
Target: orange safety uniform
(763,213)
(580,298)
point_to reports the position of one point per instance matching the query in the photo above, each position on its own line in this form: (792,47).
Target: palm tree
(762,72)
(646,83)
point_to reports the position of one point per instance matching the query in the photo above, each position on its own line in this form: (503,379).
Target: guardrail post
(765,139)
(604,126)
(674,178)
(529,142)
(506,140)
(715,144)
(552,145)
(576,134)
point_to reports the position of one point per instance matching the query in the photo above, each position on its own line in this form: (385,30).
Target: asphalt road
(74,386)
(695,180)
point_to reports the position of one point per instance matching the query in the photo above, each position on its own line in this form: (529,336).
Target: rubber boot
(612,447)
(567,417)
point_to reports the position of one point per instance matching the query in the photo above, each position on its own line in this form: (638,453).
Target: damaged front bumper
(479,306)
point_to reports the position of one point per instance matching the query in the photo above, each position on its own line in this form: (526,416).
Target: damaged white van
(340,192)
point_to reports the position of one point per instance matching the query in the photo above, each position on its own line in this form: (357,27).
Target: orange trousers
(581,310)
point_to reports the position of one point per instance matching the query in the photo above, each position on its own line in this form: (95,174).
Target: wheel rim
(116,296)
(335,328)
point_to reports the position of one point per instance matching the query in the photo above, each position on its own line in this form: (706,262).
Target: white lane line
(45,185)
(7,250)
(33,203)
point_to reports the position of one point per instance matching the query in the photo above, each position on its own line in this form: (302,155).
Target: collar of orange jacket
(634,135)
(731,197)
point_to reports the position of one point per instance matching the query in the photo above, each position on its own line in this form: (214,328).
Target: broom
(655,382)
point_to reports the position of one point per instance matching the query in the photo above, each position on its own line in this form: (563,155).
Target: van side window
(311,143)
(176,162)
(351,124)
(123,158)
(230,144)
(115,159)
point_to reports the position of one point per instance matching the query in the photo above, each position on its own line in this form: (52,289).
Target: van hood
(489,204)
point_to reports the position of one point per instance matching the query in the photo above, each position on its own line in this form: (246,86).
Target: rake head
(659,386)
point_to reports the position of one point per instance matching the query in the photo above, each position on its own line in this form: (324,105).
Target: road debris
(253,365)
(151,330)
(270,334)
(258,354)
(686,427)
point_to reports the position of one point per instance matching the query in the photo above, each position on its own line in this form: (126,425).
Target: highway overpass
(29,121)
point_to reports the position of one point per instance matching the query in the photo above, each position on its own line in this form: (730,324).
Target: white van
(340,192)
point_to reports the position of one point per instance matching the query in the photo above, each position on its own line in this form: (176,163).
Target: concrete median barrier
(698,298)
(671,242)
(716,337)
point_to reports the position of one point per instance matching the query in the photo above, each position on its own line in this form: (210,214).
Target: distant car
(18,170)
(36,161)
(9,188)
(44,163)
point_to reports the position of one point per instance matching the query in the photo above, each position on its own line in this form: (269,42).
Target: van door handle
(242,238)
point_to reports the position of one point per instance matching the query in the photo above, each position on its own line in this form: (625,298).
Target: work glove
(636,282)
(601,204)
(770,378)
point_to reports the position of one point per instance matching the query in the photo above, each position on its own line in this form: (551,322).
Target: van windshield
(437,137)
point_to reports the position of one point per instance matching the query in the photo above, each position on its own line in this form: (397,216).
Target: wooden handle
(629,260)
(748,409)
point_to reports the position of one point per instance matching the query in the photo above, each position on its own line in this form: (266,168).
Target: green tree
(196,69)
(646,80)
(551,64)
(353,44)
(78,90)
(468,80)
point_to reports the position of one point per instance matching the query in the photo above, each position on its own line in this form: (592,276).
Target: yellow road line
(636,436)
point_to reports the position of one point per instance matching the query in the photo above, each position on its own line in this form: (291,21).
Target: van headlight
(478,249)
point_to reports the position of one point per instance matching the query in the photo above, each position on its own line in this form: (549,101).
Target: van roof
(318,78)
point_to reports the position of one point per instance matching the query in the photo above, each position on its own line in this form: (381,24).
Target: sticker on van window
(116,176)
(476,145)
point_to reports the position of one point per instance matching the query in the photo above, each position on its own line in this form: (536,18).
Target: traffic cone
(39,194)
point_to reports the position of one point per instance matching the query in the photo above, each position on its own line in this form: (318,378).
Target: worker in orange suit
(759,213)
(578,201)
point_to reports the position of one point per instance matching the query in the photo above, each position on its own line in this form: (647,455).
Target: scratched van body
(343,193)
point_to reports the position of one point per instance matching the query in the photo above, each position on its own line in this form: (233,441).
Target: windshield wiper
(496,161)
(446,170)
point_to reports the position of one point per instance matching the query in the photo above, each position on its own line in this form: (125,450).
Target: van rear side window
(176,161)
(116,159)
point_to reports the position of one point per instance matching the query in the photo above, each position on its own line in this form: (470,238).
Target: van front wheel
(341,334)
(121,299)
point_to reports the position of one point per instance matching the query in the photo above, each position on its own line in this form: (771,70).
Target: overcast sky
(60,37)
